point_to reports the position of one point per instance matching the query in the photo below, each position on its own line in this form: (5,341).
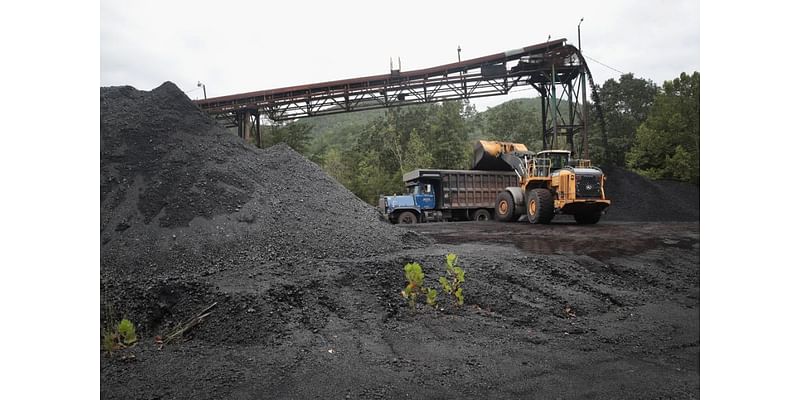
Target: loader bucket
(486,156)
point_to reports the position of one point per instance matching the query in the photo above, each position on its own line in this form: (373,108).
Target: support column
(258,129)
(571,129)
(585,133)
(554,106)
(239,124)
(544,119)
(247,125)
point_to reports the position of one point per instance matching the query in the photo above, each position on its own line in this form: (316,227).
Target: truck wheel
(407,217)
(539,206)
(481,215)
(504,207)
(587,218)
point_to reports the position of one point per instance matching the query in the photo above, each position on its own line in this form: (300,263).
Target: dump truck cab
(410,207)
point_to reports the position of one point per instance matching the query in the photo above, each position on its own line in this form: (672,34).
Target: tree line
(650,129)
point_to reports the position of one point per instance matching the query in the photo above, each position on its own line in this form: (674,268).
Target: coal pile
(637,198)
(181,195)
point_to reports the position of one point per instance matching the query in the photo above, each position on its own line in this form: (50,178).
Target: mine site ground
(305,279)
(551,311)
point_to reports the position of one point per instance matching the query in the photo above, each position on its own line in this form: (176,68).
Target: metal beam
(553,68)
(480,77)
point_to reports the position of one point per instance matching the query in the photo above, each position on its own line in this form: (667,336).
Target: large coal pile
(636,198)
(179,194)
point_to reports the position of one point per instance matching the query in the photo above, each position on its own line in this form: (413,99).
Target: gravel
(306,279)
(183,200)
(170,177)
(636,198)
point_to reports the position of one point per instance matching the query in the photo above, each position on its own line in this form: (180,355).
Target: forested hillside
(651,129)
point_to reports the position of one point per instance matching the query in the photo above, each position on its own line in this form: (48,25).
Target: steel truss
(552,68)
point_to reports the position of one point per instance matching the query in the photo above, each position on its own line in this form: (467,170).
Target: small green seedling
(451,284)
(414,276)
(431,296)
(119,337)
(109,343)
(127,332)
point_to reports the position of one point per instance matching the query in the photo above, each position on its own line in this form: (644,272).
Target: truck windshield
(420,189)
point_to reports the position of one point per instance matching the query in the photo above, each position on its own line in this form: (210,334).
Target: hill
(328,124)
(515,120)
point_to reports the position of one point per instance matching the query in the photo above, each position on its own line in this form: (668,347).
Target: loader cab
(558,158)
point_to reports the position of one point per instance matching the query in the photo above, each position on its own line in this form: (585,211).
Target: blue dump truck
(446,195)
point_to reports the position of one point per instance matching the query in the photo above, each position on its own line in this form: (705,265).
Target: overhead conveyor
(553,68)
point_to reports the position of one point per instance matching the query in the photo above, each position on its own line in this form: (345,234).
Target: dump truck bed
(463,189)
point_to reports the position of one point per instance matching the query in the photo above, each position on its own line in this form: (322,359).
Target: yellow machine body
(550,182)
(563,186)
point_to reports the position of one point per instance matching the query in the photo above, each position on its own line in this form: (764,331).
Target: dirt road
(610,311)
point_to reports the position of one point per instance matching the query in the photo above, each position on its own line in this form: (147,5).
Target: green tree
(296,135)
(418,155)
(332,162)
(517,121)
(667,144)
(626,104)
(448,136)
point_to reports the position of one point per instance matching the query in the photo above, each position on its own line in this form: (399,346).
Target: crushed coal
(179,193)
(637,198)
(306,281)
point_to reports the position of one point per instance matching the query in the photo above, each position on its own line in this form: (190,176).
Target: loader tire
(407,217)
(504,207)
(587,218)
(539,206)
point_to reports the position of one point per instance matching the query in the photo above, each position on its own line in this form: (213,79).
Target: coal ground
(307,280)
(637,198)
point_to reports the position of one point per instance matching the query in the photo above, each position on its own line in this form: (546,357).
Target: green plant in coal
(451,284)
(414,287)
(118,336)
(430,296)
(414,277)
(127,332)
(109,342)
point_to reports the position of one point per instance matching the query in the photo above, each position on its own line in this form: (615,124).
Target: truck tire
(504,207)
(482,215)
(407,217)
(539,206)
(587,218)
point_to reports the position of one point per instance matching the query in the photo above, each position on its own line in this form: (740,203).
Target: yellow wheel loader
(550,182)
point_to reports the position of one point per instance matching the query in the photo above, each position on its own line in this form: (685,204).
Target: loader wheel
(481,215)
(587,218)
(504,207)
(539,206)
(407,217)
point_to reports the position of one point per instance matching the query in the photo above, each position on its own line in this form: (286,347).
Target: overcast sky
(241,46)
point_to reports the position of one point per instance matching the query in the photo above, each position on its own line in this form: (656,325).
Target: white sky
(241,46)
